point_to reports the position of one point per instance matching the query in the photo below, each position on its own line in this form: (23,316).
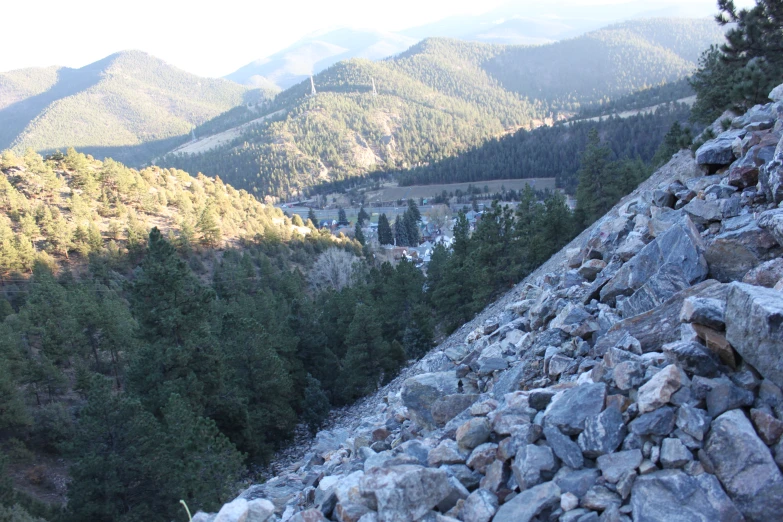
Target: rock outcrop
(635,376)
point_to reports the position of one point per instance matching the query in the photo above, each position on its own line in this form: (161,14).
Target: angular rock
(754,327)
(719,151)
(420,393)
(473,432)
(628,374)
(724,395)
(674,454)
(731,254)
(768,427)
(496,475)
(599,498)
(666,282)
(672,495)
(766,274)
(447,452)
(693,357)
(569,411)
(745,467)
(540,398)
(776,94)
(530,461)
(349,512)
(482,456)
(480,506)
(615,465)
(406,492)
(659,422)
(603,433)
(658,391)
(309,515)
(704,212)
(446,408)
(591,268)
(706,311)
(458,493)
(506,424)
(566,449)
(693,421)
(529,503)
(577,482)
(681,245)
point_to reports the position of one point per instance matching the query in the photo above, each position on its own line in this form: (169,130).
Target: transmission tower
(312,86)
(374,90)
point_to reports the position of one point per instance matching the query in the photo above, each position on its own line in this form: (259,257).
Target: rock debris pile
(637,379)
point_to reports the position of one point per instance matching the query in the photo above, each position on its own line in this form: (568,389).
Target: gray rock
(662,198)
(615,465)
(776,94)
(659,390)
(350,512)
(724,395)
(420,393)
(745,467)
(446,408)
(666,282)
(577,482)
(719,151)
(599,498)
(591,268)
(529,503)
(628,375)
(467,477)
(480,506)
(754,327)
(693,357)
(704,212)
(458,492)
(530,461)
(569,411)
(447,452)
(659,422)
(693,421)
(673,496)
(674,454)
(309,515)
(406,492)
(474,432)
(482,456)
(566,449)
(731,254)
(706,311)
(540,398)
(603,433)
(681,245)
(240,510)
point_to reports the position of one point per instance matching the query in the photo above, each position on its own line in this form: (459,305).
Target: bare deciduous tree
(333,269)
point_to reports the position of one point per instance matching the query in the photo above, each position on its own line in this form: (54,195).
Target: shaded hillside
(551,151)
(129,105)
(435,101)
(606,63)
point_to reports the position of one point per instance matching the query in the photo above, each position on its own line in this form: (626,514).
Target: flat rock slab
(529,503)
(673,496)
(569,412)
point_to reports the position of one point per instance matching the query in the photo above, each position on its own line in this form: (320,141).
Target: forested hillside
(551,151)
(437,100)
(130,106)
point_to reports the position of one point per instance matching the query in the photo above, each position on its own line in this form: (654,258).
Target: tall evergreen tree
(312,217)
(385,235)
(591,194)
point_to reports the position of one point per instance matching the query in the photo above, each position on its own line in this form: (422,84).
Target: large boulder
(754,327)
(680,245)
(719,151)
(772,222)
(406,492)
(673,496)
(569,411)
(421,392)
(745,467)
(732,253)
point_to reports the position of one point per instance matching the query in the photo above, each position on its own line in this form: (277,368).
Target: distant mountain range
(129,105)
(514,23)
(436,100)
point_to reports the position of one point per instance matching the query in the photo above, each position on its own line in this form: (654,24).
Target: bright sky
(210,38)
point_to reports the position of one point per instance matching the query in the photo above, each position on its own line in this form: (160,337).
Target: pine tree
(312,217)
(363,216)
(591,194)
(209,228)
(385,236)
(315,408)
(358,234)
(401,232)
(342,219)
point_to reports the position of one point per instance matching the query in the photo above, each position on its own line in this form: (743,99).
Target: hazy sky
(209,38)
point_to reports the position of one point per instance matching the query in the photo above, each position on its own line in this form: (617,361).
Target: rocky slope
(635,376)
